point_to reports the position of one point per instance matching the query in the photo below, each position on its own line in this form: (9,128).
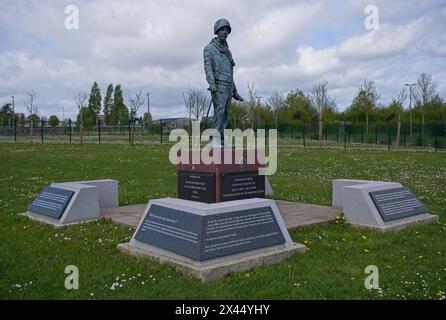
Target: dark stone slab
(206,237)
(393,204)
(240,231)
(196,186)
(173,230)
(236,186)
(51,202)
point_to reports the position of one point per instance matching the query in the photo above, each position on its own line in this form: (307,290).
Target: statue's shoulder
(209,48)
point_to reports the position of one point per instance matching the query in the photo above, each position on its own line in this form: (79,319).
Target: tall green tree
(120,112)
(94,102)
(298,107)
(108,105)
(6,114)
(54,121)
(237,115)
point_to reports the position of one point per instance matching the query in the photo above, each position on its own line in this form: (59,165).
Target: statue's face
(222,33)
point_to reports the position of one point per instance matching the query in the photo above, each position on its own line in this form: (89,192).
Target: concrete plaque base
(379,205)
(84,205)
(209,240)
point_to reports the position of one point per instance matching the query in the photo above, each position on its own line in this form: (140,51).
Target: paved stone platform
(294,214)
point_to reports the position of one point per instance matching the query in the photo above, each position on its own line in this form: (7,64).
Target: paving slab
(294,214)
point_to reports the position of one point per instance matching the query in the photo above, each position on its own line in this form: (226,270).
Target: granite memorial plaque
(245,185)
(196,186)
(203,237)
(51,202)
(397,203)
(239,231)
(173,230)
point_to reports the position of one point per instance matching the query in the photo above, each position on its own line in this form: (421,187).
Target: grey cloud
(157,46)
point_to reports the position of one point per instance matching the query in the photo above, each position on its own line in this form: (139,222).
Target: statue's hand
(236,96)
(212,88)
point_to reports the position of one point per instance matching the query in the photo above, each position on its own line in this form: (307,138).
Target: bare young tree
(31,106)
(322,102)
(252,102)
(276,101)
(367,99)
(81,101)
(425,92)
(398,102)
(196,103)
(135,104)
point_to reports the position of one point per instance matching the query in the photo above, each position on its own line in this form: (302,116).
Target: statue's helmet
(220,24)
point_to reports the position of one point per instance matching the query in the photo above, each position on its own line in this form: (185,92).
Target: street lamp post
(148,108)
(13,120)
(410,108)
(258,111)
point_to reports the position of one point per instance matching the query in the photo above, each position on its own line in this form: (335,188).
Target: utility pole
(13,120)
(148,108)
(258,112)
(410,108)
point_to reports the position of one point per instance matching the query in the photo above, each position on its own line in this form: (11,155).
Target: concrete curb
(215,269)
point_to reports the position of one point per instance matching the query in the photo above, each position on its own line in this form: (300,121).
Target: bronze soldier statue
(219,65)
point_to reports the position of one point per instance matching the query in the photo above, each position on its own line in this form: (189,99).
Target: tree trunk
(32,123)
(276,119)
(81,128)
(320,130)
(366,123)
(398,131)
(422,129)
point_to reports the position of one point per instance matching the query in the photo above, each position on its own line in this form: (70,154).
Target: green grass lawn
(33,256)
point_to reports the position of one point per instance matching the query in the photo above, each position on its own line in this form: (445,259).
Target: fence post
(389,137)
(303,134)
(130,134)
(376,133)
(349,133)
(345,135)
(15,129)
(99,130)
(436,137)
(337,133)
(161,131)
(404,135)
(69,128)
(421,137)
(42,123)
(362,134)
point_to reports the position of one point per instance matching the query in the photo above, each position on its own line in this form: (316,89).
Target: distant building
(101,118)
(173,123)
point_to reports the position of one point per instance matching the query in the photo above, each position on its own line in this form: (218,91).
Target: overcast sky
(157,46)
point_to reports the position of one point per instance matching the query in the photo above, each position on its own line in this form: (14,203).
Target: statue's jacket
(218,64)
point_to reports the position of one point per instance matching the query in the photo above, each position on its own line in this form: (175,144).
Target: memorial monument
(220,222)
(66,203)
(379,205)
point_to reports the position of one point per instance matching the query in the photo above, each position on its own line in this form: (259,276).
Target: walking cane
(207,115)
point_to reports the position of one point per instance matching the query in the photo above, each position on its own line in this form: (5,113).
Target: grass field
(33,256)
